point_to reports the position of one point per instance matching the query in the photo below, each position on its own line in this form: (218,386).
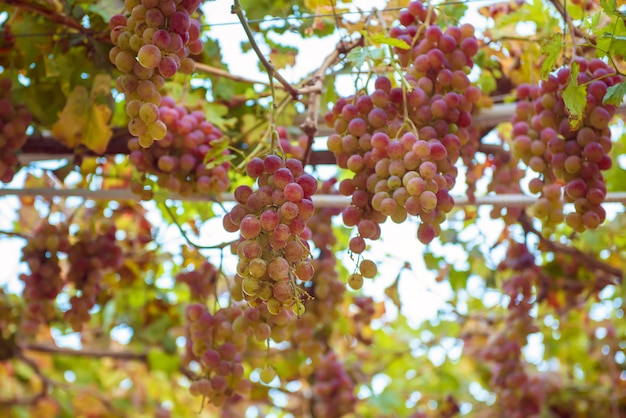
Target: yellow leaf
(85,117)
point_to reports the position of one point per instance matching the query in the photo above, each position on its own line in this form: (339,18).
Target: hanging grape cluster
(14,120)
(218,348)
(191,158)
(520,394)
(91,255)
(88,255)
(152,39)
(401,143)
(273,250)
(44,281)
(201,280)
(333,389)
(570,160)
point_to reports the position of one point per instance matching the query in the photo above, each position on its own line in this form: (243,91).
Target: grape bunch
(218,349)
(570,160)
(152,41)
(44,281)
(273,250)
(191,158)
(519,393)
(401,144)
(333,389)
(89,258)
(14,120)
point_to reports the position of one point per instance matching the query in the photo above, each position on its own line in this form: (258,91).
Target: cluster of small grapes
(202,281)
(89,258)
(292,148)
(44,282)
(406,167)
(574,157)
(218,348)
(273,250)
(505,179)
(152,39)
(333,389)
(14,120)
(185,161)
(520,394)
(262,325)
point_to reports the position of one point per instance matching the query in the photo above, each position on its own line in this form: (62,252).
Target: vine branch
(52,15)
(186,237)
(94,353)
(237,10)
(223,73)
(553,246)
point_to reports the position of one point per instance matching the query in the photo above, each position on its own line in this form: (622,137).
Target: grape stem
(226,74)
(271,70)
(315,88)
(186,237)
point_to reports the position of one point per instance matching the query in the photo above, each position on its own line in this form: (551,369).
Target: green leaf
(615,94)
(379,38)
(106,8)
(158,360)
(609,6)
(551,49)
(85,118)
(575,97)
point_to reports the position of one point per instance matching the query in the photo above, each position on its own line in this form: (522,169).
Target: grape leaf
(615,94)
(158,360)
(551,49)
(575,98)
(379,38)
(85,117)
(609,6)
(106,8)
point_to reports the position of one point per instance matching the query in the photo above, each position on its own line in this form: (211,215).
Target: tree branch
(52,15)
(587,259)
(223,73)
(568,20)
(94,353)
(237,10)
